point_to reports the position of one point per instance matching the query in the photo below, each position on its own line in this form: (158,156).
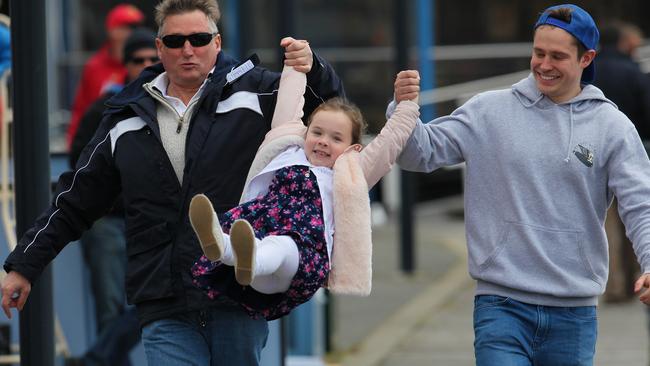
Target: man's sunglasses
(141,60)
(196,39)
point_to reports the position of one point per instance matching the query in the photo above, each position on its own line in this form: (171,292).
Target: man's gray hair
(174,7)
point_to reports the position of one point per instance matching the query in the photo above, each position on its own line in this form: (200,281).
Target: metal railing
(461,92)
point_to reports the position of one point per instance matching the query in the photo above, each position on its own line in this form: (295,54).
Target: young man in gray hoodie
(544,160)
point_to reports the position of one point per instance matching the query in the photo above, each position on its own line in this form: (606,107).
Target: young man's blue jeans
(512,333)
(216,337)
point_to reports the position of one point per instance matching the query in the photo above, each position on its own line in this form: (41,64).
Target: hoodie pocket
(148,274)
(542,260)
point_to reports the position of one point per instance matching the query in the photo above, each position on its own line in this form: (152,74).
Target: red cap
(123,14)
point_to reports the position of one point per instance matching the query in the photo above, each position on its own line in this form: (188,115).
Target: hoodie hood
(529,95)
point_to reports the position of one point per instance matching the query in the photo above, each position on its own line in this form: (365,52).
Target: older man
(190,125)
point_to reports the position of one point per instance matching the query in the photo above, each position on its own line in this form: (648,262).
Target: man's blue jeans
(512,333)
(215,337)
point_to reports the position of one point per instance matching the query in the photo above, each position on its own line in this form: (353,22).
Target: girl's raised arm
(288,107)
(381,153)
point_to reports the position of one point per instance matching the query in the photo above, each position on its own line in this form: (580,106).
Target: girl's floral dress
(291,207)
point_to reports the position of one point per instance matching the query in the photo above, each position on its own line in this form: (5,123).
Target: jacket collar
(134,92)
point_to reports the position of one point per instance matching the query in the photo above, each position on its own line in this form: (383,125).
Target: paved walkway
(426,318)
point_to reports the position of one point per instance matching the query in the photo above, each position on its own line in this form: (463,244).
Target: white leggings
(276,262)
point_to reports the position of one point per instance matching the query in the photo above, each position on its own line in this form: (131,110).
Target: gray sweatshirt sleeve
(629,171)
(441,142)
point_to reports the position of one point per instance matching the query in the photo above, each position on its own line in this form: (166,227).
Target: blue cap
(581,26)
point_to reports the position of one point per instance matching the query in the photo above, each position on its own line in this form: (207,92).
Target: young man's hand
(642,288)
(297,53)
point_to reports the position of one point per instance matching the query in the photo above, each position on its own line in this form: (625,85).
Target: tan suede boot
(242,240)
(206,226)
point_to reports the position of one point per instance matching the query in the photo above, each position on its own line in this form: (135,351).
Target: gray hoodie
(540,177)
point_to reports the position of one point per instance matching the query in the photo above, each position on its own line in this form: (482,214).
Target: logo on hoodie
(584,154)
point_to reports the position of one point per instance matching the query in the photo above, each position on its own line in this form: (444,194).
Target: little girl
(302,181)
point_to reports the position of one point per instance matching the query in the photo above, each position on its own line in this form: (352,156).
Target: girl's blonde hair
(350,110)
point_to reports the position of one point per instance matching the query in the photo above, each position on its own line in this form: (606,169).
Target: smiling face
(188,66)
(328,135)
(555,63)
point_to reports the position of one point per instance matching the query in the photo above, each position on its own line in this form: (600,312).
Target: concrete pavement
(426,318)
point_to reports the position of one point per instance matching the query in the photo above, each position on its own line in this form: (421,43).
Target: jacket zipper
(180,124)
(164,101)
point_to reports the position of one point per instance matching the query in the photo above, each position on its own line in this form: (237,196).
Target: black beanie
(139,38)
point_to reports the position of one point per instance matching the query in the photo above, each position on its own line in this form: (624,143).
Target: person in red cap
(105,67)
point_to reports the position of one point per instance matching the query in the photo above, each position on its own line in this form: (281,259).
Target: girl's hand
(297,53)
(407,86)
(642,288)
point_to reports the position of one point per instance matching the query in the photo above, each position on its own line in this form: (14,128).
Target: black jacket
(88,126)
(623,82)
(126,157)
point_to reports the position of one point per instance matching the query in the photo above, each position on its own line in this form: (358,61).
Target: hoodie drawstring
(568,152)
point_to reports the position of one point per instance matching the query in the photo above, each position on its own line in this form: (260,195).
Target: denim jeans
(214,337)
(512,333)
(104,251)
(115,342)
(118,330)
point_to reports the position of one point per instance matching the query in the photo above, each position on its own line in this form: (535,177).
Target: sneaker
(206,226)
(242,240)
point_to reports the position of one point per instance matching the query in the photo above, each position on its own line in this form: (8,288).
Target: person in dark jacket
(620,77)
(104,244)
(622,81)
(189,125)
(139,53)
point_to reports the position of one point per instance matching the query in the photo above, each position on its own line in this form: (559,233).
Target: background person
(105,67)
(622,81)
(104,244)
